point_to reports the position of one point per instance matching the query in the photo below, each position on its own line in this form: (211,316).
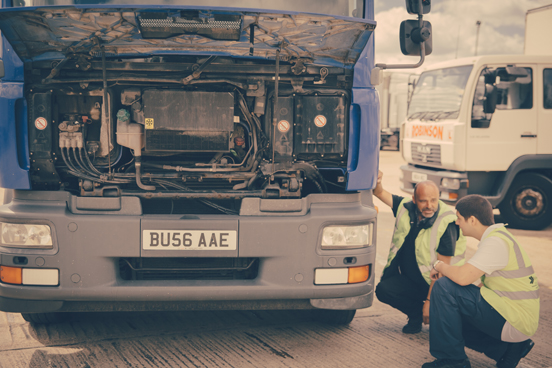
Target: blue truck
(179,156)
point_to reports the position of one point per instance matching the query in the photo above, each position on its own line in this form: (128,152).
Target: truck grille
(426,153)
(188,268)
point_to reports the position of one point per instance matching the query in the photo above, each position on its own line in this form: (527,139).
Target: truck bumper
(90,252)
(452,185)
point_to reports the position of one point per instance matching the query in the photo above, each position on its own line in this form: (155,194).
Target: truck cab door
(545,111)
(496,139)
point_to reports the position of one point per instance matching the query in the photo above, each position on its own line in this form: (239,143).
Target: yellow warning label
(149,123)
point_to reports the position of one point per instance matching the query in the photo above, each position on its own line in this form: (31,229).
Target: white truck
(393,93)
(483,125)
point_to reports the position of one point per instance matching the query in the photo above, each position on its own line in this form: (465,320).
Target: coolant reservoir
(129,134)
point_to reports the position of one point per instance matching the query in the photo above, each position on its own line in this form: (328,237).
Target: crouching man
(498,317)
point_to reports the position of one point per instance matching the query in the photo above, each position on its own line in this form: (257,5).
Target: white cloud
(454,29)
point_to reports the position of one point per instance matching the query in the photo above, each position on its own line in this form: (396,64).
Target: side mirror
(2,71)
(413,6)
(415,35)
(490,77)
(412,36)
(491,94)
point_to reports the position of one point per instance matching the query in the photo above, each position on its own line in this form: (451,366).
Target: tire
(393,142)
(334,317)
(46,318)
(528,203)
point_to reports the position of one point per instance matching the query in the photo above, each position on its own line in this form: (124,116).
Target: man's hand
(426,312)
(381,193)
(434,274)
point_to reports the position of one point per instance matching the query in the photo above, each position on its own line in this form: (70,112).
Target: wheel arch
(539,164)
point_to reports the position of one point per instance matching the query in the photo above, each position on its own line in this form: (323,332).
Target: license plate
(189,239)
(417,177)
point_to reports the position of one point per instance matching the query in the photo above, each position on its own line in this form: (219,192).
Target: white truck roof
(490,59)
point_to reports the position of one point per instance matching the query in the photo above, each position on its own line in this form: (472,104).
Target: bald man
(425,231)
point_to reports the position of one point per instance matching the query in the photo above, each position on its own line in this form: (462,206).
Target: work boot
(413,326)
(515,352)
(448,363)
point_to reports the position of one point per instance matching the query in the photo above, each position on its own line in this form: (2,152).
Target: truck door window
(513,93)
(547,85)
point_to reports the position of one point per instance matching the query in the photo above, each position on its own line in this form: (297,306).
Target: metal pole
(477,24)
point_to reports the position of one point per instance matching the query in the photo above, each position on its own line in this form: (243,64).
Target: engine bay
(187,127)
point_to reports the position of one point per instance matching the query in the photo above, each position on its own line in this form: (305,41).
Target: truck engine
(187,133)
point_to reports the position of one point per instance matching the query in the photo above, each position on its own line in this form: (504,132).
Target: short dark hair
(478,207)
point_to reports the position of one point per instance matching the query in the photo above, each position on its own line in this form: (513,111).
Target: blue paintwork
(362,163)
(11,174)
(363,156)
(364,132)
(12,63)
(14,151)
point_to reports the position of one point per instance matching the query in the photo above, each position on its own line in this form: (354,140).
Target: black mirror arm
(406,66)
(422,47)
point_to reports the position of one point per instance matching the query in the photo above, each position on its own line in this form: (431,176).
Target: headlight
(450,183)
(26,235)
(339,237)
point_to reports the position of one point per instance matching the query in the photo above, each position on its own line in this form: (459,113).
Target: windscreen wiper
(197,73)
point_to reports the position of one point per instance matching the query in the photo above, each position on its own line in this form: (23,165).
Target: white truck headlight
(26,235)
(340,237)
(453,184)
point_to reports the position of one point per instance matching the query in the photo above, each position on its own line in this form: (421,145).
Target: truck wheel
(334,317)
(528,203)
(46,318)
(393,142)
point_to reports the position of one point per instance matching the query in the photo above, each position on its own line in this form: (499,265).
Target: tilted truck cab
(187,157)
(179,155)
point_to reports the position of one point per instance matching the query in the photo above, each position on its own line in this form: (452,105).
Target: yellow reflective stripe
(393,249)
(514,274)
(518,295)
(517,251)
(399,215)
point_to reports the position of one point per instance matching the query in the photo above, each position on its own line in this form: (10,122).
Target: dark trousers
(402,293)
(459,317)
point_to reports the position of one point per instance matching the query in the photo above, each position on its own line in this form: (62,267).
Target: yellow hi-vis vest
(427,241)
(514,290)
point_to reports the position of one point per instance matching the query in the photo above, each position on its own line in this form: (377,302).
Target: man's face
(463,224)
(426,199)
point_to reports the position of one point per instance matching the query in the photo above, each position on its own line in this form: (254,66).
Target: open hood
(58,32)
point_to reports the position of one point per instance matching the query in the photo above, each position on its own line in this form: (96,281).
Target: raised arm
(381,193)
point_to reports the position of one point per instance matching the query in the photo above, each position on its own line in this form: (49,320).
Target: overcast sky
(454,28)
